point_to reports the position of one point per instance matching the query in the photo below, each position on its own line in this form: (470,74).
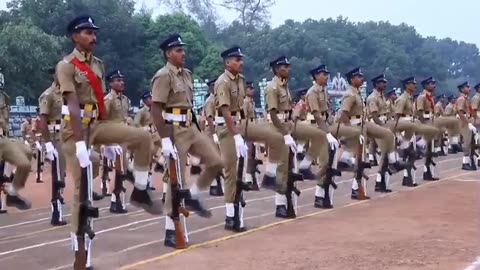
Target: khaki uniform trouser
(191,140)
(20,155)
(254,133)
(318,150)
(409,128)
(383,136)
(156,144)
(104,133)
(450,123)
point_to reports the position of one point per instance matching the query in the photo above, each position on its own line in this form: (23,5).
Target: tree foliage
(32,37)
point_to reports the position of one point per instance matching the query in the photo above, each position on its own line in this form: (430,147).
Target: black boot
(18,202)
(229,223)
(397,166)
(428,176)
(197,206)
(408,182)
(322,202)
(300,156)
(194,170)
(345,167)
(164,196)
(307,174)
(216,191)
(269,182)
(468,167)
(281,211)
(116,207)
(142,199)
(96,196)
(170,239)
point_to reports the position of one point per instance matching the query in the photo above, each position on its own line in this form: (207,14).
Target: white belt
(356,121)
(27,136)
(177,117)
(54,127)
(280,116)
(427,115)
(310,117)
(38,134)
(221,120)
(405,118)
(92,114)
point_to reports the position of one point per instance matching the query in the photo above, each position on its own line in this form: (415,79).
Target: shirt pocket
(179,86)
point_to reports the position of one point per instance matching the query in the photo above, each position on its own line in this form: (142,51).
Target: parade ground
(433,226)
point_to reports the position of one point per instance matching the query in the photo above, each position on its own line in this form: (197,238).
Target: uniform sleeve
(45,102)
(420,103)
(461,105)
(222,94)
(372,105)
(210,108)
(66,77)
(312,102)
(108,104)
(348,102)
(161,88)
(272,99)
(245,107)
(399,106)
(437,109)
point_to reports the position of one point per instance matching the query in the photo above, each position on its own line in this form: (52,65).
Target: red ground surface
(435,226)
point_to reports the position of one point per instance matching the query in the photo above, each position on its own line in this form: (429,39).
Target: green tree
(27,52)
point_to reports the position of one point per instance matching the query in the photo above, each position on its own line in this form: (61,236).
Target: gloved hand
(50,151)
(240,146)
(168,149)
(82,154)
(472,128)
(38,146)
(332,141)
(215,139)
(361,139)
(290,142)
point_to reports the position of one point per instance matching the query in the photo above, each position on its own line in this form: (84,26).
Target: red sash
(430,99)
(95,83)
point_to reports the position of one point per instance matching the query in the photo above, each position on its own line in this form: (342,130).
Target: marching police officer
(468,130)
(81,78)
(318,110)
(172,95)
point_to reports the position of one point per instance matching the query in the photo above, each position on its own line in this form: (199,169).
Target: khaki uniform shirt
(173,87)
(300,110)
(51,101)
(352,103)
(143,117)
(278,95)
(117,106)
(462,105)
(209,106)
(450,110)
(26,129)
(317,98)
(249,108)
(404,105)
(376,103)
(4,111)
(229,91)
(438,110)
(425,103)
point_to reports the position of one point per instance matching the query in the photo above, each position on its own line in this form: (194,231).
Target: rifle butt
(180,242)
(182,210)
(80,262)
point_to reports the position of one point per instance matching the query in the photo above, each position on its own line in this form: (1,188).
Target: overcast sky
(455,19)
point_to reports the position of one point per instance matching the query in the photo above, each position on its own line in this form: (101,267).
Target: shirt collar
(280,81)
(380,93)
(427,93)
(83,57)
(174,69)
(231,76)
(321,87)
(408,95)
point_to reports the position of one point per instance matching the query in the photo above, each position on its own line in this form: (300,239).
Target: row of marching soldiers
(81,123)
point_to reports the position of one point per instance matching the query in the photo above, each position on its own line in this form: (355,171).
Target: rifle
(473,153)
(178,196)
(105,177)
(39,165)
(292,192)
(329,178)
(3,192)
(360,176)
(118,206)
(429,172)
(57,190)
(85,215)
